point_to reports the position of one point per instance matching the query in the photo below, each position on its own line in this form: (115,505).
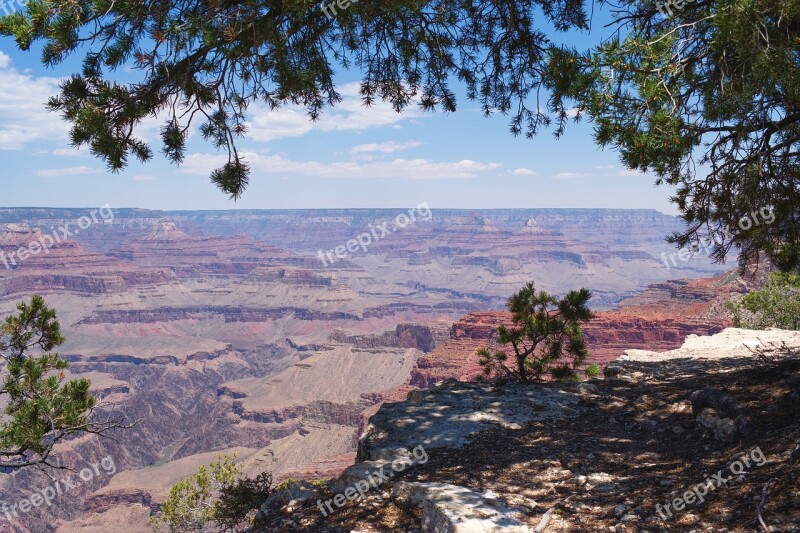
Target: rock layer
(658,319)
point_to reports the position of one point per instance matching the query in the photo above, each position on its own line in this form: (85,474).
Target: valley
(223,331)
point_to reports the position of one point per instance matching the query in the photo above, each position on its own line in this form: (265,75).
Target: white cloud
(15,136)
(348,115)
(143,177)
(71,171)
(384,148)
(605,166)
(631,172)
(266,125)
(70,152)
(412,169)
(570,175)
(25,119)
(522,172)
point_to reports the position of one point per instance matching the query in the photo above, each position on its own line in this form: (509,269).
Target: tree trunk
(523,376)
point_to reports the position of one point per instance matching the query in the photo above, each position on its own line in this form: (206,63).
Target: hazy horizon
(385,207)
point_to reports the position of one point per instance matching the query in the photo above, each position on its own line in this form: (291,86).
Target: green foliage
(707,100)
(41,407)
(776,305)
(286,483)
(210,60)
(546,337)
(215,498)
(239,499)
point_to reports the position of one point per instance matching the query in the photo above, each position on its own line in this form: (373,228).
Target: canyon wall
(218,330)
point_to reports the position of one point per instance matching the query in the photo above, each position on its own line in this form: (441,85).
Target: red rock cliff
(658,319)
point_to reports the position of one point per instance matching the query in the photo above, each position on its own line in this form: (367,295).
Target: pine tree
(210,60)
(42,408)
(546,337)
(706,97)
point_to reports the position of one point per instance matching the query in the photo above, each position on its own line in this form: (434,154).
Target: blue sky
(352,157)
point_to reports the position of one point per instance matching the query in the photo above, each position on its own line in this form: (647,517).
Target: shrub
(776,305)
(238,500)
(215,498)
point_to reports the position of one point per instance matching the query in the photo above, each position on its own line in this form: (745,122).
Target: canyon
(223,331)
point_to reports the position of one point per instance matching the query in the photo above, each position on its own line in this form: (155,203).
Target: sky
(353,157)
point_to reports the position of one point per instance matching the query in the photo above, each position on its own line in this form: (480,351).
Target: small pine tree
(546,331)
(41,408)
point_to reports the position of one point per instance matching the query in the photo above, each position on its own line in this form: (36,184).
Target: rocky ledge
(702,438)
(447,415)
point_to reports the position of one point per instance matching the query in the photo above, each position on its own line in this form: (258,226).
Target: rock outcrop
(452,509)
(608,455)
(460,410)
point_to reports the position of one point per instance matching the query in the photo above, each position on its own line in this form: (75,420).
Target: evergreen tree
(546,337)
(706,97)
(208,60)
(42,408)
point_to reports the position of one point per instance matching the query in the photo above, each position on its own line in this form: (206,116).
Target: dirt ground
(632,444)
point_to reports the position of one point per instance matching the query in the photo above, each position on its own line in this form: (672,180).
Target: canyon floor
(603,461)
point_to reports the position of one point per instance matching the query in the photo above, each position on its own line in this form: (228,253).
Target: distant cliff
(658,319)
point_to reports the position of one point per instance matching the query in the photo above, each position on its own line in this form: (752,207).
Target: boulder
(297,492)
(454,509)
(719,410)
